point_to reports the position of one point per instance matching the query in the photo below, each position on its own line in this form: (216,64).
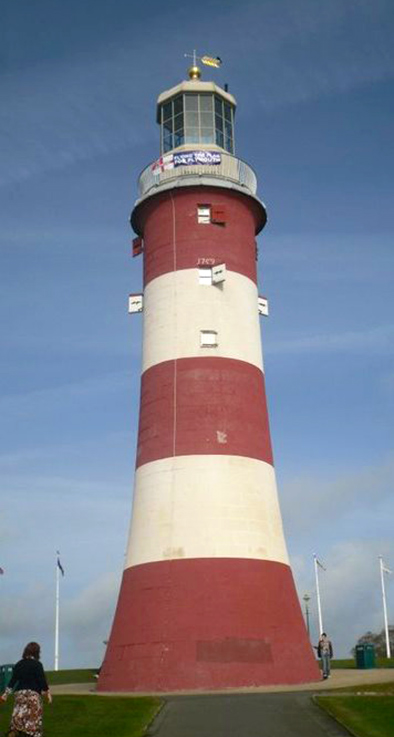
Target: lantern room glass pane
(207,135)
(228,129)
(191,102)
(167,143)
(227,111)
(228,144)
(191,120)
(167,110)
(218,122)
(206,120)
(206,103)
(178,122)
(178,105)
(179,138)
(191,135)
(219,139)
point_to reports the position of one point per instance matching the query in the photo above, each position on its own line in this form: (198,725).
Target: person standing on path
(29,681)
(325,652)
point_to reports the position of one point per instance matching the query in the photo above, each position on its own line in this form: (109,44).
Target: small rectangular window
(205,277)
(218,214)
(218,273)
(208,338)
(262,303)
(203,214)
(136,303)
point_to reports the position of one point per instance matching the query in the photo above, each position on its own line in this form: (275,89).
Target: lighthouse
(207,599)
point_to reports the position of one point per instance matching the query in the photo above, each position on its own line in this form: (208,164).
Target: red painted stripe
(173,239)
(220,408)
(207,623)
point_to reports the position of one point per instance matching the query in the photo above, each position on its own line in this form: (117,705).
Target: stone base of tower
(207,623)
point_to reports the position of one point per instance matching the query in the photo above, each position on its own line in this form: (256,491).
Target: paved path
(240,715)
(341,678)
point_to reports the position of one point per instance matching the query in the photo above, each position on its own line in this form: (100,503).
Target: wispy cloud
(56,114)
(379,340)
(303,48)
(70,391)
(351,579)
(332,496)
(86,619)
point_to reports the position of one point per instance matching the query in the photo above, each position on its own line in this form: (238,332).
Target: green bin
(365,655)
(5,676)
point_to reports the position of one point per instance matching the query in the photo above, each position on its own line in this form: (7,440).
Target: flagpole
(386,624)
(57,616)
(318,596)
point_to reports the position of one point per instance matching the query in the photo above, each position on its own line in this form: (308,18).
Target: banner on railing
(186,158)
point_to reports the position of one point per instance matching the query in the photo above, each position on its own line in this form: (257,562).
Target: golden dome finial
(194,72)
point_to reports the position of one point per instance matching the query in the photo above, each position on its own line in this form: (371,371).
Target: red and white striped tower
(207,598)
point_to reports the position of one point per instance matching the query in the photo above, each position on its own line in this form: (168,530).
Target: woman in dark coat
(28,682)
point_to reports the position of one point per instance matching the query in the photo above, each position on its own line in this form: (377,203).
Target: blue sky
(79,81)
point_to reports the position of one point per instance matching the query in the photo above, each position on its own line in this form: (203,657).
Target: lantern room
(196,113)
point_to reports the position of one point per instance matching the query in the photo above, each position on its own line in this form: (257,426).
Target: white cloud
(85,106)
(328,498)
(71,391)
(377,340)
(85,621)
(350,591)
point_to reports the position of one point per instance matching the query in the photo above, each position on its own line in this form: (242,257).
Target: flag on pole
(211,61)
(1,571)
(320,564)
(59,565)
(385,568)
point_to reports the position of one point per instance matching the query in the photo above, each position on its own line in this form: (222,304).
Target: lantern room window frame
(196,118)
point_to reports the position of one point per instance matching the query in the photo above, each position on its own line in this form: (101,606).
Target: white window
(204,214)
(215,275)
(263,306)
(208,338)
(136,303)
(205,277)
(219,273)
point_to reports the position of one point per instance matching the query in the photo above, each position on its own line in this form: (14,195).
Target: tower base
(207,623)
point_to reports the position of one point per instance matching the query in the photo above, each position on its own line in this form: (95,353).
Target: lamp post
(306,599)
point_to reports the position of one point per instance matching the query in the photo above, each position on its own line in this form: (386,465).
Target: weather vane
(209,61)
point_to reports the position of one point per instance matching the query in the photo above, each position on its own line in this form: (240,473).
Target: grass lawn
(351,663)
(92,716)
(365,716)
(367,688)
(82,675)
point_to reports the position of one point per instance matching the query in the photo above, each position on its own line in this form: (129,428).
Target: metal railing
(230,168)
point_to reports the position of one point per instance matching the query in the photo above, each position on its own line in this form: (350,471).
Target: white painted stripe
(205,507)
(177,307)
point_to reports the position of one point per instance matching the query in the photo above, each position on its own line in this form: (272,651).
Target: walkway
(339,679)
(239,715)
